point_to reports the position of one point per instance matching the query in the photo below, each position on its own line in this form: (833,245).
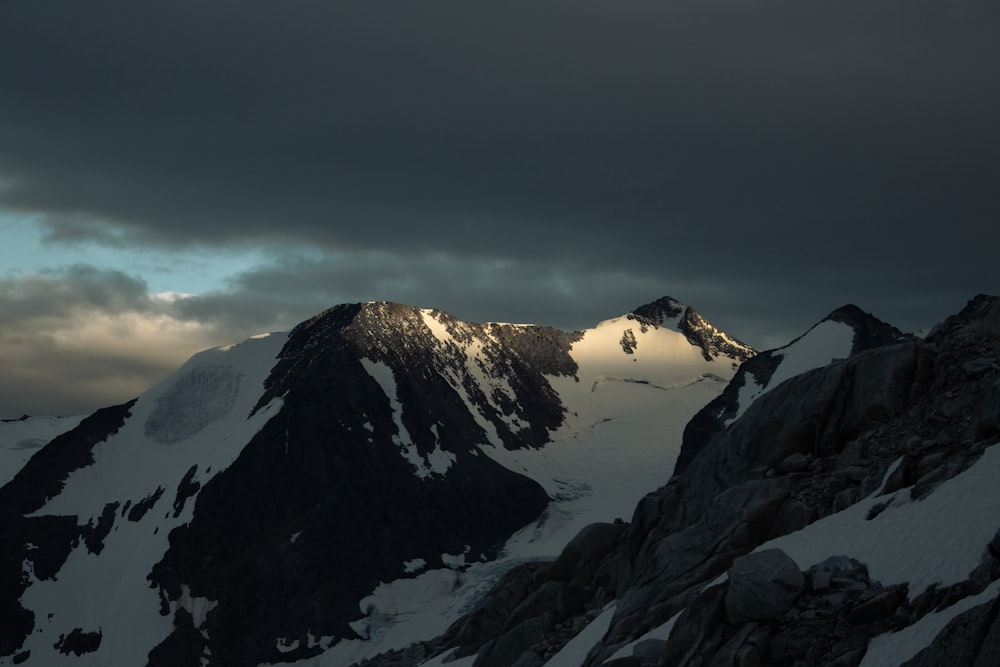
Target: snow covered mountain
(844,516)
(340,490)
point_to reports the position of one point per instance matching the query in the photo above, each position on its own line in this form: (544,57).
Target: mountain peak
(657,313)
(669,312)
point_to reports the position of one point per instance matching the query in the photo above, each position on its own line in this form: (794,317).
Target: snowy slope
(148,459)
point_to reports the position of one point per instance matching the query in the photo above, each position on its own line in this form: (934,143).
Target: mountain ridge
(417,439)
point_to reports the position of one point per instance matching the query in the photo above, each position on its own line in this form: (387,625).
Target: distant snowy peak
(846,331)
(713,342)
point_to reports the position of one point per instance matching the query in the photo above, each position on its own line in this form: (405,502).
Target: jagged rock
(762,584)
(971,639)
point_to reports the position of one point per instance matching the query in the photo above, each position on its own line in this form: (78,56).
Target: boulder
(762,584)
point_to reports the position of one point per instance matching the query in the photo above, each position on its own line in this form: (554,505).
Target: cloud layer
(556,162)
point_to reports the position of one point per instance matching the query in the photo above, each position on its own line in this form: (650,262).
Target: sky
(179,175)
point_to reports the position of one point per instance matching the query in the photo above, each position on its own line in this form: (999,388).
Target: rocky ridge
(886,426)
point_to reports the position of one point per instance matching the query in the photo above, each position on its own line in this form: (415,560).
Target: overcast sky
(176,175)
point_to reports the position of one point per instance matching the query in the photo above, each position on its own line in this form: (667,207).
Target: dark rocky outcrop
(78,642)
(43,541)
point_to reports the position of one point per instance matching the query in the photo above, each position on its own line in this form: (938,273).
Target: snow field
(110,593)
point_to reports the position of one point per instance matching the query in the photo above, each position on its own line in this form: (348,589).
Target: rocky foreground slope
(848,516)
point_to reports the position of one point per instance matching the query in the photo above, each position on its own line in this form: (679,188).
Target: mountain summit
(298,494)
(670,313)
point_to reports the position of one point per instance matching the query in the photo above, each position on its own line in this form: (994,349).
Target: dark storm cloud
(770,156)
(557,294)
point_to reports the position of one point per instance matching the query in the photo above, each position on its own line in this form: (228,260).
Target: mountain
(845,516)
(846,331)
(341,489)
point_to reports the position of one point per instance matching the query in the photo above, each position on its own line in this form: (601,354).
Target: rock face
(901,419)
